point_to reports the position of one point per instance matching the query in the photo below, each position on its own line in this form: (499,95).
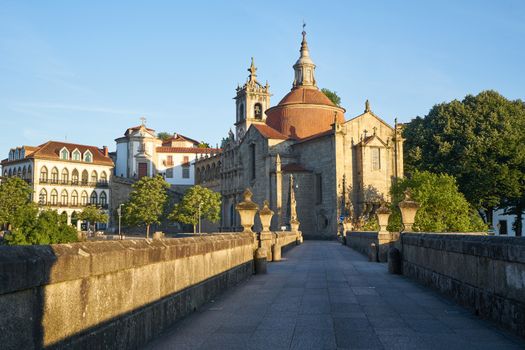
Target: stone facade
(342,169)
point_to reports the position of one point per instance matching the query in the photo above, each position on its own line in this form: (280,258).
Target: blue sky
(87,70)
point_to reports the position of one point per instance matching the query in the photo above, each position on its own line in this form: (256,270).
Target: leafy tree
(203,144)
(46,228)
(187,211)
(443,207)
(332,95)
(147,202)
(15,195)
(93,214)
(479,141)
(164,135)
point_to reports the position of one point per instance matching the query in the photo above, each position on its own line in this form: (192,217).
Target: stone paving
(327,296)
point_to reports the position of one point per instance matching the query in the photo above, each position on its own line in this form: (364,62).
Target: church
(340,170)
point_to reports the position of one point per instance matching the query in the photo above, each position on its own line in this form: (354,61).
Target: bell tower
(251,101)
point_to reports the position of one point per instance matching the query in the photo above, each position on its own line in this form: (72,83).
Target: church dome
(304,111)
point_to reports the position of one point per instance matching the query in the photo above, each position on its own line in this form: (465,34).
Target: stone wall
(114,294)
(483,273)
(361,240)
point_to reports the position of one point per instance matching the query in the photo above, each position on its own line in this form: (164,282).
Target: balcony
(98,184)
(50,204)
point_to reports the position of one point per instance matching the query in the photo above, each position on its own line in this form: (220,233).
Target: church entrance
(143,169)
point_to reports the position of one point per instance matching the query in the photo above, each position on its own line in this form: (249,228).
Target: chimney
(105,149)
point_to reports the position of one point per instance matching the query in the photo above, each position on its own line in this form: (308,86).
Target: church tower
(251,101)
(304,67)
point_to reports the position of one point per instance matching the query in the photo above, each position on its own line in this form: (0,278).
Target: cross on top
(143,121)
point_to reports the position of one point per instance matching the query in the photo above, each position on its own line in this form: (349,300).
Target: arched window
(88,157)
(64,154)
(5,172)
(74,198)
(103,177)
(76,155)
(54,175)
(54,197)
(63,197)
(17,154)
(10,173)
(85,177)
(42,197)
(19,172)
(93,198)
(257,111)
(241,112)
(74,177)
(43,174)
(65,176)
(376,158)
(24,172)
(29,172)
(103,199)
(94,177)
(84,198)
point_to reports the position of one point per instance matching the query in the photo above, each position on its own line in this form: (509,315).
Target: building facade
(65,177)
(141,153)
(341,169)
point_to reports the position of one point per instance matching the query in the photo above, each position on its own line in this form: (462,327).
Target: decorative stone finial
(367,107)
(408,208)
(253,71)
(247,210)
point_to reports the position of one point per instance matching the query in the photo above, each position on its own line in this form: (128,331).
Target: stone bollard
(372,253)
(276,252)
(394,261)
(260,261)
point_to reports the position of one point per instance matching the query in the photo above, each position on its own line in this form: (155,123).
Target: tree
(46,228)
(187,211)
(203,144)
(443,207)
(479,141)
(163,135)
(15,195)
(147,202)
(332,95)
(93,214)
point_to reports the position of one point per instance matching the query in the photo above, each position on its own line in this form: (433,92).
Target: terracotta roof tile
(304,95)
(196,150)
(51,150)
(269,132)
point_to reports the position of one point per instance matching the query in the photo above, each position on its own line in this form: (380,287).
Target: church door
(143,169)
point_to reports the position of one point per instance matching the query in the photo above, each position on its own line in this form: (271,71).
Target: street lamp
(119,212)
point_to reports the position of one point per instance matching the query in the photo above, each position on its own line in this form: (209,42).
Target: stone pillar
(409,209)
(278,191)
(266,237)
(68,218)
(247,210)
(294,222)
(78,224)
(384,238)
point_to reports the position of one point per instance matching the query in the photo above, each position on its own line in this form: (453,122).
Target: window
(252,161)
(85,177)
(10,173)
(103,177)
(93,199)
(42,197)
(76,155)
(103,199)
(24,172)
(65,176)
(43,174)
(54,197)
(64,154)
(318,188)
(186,168)
(257,111)
(169,173)
(241,112)
(94,177)
(63,197)
(503,230)
(375,155)
(88,157)
(74,177)
(54,175)
(169,160)
(19,172)
(74,198)
(84,198)
(29,172)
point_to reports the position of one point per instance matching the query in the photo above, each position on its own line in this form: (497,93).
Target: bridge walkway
(327,296)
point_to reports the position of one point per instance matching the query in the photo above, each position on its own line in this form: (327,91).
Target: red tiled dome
(304,112)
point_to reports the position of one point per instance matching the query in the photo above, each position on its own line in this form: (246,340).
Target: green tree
(479,141)
(332,95)
(147,202)
(93,214)
(197,200)
(163,135)
(203,144)
(443,207)
(15,195)
(46,228)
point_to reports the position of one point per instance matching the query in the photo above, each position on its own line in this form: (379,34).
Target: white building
(141,153)
(64,176)
(503,223)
